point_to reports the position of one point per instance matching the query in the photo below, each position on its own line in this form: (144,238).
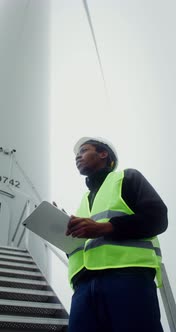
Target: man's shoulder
(128,174)
(132,171)
(132,174)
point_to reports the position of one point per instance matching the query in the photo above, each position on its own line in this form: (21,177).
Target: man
(113,273)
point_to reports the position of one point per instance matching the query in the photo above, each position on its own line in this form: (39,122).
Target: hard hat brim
(80,142)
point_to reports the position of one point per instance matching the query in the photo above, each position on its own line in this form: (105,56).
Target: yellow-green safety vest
(102,253)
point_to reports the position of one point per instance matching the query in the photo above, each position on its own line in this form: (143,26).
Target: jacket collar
(95,180)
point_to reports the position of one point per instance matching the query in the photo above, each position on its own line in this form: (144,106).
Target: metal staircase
(27,302)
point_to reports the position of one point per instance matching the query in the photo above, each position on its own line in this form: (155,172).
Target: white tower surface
(25,126)
(24,108)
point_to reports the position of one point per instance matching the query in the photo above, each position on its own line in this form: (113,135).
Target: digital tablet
(50,223)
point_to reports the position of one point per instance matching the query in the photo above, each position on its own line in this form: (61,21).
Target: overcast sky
(136,42)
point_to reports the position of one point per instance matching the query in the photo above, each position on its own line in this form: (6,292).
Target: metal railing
(168,300)
(12,240)
(55,251)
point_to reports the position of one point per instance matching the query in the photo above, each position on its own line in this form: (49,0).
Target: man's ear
(103,154)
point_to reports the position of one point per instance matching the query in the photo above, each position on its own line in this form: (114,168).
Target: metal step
(12,249)
(31,304)
(23,283)
(11,258)
(37,309)
(33,323)
(21,266)
(14,253)
(27,294)
(20,273)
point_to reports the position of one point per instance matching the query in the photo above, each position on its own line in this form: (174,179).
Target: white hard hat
(108,146)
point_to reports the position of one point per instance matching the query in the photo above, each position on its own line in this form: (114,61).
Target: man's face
(88,160)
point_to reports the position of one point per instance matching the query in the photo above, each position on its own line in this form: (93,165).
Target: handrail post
(168,300)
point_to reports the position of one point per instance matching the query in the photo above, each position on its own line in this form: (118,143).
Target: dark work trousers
(114,301)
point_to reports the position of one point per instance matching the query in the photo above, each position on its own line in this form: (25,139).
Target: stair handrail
(168,300)
(18,225)
(56,252)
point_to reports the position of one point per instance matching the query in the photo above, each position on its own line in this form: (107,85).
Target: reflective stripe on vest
(137,244)
(101,241)
(107,214)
